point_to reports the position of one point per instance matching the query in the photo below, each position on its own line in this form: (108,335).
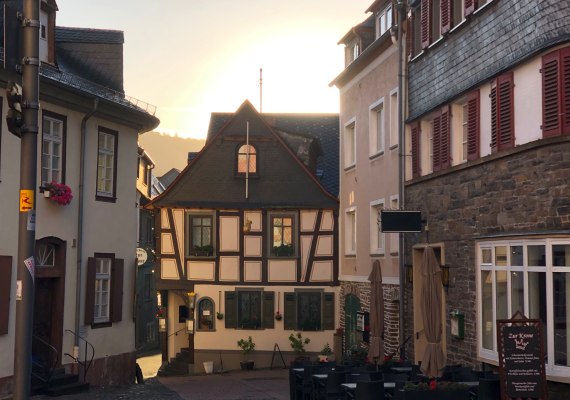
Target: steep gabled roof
(210,180)
(293,127)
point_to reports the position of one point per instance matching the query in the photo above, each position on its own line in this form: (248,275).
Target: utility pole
(26,228)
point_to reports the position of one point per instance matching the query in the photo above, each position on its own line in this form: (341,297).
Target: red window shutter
(551,122)
(117,277)
(5,285)
(470,7)
(565,86)
(445,138)
(494,147)
(436,143)
(90,292)
(446,13)
(416,149)
(473,129)
(505,111)
(426,23)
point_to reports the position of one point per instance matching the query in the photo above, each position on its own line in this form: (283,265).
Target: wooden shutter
(328,311)
(90,292)
(117,280)
(5,286)
(268,310)
(436,143)
(470,6)
(505,111)
(551,121)
(445,139)
(289,311)
(473,128)
(426,19)
(565,89)
(416,149)
(231,309)
(493,95)
(446,15)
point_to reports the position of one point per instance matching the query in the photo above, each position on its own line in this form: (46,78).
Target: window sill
(98,325)
(350,255)
(394,147)
(350,168)
(107,199)
(376,155)
(378,253)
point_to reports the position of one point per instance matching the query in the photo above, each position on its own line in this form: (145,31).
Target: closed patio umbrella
(376,350)
(431,299)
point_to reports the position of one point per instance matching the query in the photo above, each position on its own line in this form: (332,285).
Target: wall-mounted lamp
(162,324)
(410,273)
(445,275)
(247,226)
(191,300)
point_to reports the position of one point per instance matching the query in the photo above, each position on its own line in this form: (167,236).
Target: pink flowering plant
(59,192)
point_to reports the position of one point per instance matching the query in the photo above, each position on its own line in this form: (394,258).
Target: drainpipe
(80,227)
(401,6)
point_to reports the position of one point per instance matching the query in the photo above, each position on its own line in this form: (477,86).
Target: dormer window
(384,20)
(247,159)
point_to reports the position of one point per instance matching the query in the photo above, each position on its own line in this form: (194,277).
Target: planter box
(462,394)
(247,365)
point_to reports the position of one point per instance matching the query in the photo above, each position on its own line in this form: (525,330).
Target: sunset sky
(193,57)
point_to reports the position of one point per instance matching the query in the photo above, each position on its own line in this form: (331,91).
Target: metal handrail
(55,357)
(176,333)
(86,365)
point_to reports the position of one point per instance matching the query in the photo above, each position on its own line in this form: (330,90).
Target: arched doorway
(351,307)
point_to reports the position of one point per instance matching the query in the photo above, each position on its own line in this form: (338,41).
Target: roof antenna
(260,90)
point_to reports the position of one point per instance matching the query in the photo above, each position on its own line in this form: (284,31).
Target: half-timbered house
(247,240)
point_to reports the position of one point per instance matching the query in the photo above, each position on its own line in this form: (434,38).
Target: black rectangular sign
(401,221)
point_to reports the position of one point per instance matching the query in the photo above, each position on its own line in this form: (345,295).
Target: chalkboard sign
(521,359)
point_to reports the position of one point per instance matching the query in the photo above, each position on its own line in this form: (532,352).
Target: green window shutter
(90,292)
(117,275)
(231,309)
(328,311)
(290,311)
(267,307)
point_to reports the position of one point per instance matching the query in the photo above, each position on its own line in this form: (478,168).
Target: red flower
(59,192)
(432,384)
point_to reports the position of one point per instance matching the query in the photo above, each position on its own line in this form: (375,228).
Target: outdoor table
(297,369)
(352,385)
(401,369)
(474,383)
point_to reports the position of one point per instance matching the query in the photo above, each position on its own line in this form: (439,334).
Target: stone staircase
(177,366)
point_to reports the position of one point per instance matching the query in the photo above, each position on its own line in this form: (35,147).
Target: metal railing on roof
(96,89)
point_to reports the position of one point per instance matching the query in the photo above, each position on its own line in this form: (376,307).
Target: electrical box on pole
(14,117)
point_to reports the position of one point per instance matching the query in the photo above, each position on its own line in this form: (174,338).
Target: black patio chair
(369,390)
(331,388)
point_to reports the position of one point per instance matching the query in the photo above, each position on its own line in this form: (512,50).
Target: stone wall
(391,310)
(521,191)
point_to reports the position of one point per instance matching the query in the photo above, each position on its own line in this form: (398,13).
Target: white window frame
(377,237)
(52,163)
(377,127)
(394,134)
(350,231)
(548,270)
(394,237)
(105,157)
(349,144)
(384,21)
(102,301)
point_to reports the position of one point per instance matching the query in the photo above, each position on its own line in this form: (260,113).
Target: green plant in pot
(246,346)
(298,344)
(325,353)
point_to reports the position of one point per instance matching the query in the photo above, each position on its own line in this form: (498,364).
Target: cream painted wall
(108,228)
(373,178)
(226,339)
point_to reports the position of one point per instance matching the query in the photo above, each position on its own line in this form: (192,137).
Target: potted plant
(219,315)
(298,344)
(246,346)
(325,352)
(60,193)
(278,316)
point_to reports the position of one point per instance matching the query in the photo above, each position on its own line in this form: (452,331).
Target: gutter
(80,227)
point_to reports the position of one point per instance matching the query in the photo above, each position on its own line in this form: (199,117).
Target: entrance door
(351,307)
(48,301)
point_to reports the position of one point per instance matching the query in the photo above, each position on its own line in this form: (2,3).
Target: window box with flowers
(60,193)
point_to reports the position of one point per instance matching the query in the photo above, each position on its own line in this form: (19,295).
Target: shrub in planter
(246,346)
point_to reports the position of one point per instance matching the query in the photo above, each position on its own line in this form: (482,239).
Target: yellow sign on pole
(26,200)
